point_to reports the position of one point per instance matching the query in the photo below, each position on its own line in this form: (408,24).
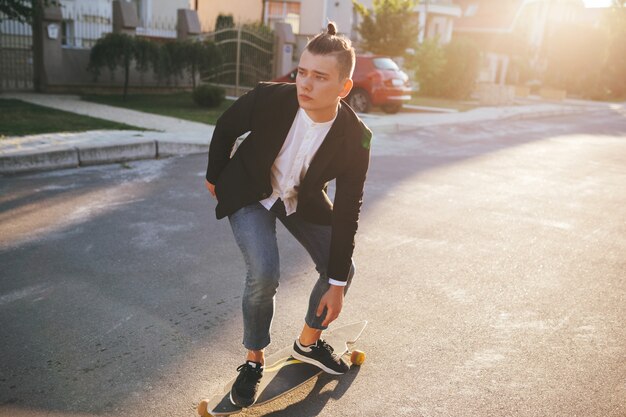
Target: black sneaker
(321,355)
(244,390)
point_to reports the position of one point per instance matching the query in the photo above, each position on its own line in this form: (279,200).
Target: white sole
(230,396)
(305,359)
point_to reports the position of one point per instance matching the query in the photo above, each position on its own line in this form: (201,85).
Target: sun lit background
(597,3)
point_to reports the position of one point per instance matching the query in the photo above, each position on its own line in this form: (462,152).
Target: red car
(377,82)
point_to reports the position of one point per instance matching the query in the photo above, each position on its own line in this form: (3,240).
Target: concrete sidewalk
(169,136)
(175,136)
(527,109)
(74,104)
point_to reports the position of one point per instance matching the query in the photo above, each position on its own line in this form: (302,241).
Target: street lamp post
(426,18)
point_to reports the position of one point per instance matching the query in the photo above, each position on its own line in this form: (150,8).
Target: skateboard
(284,373)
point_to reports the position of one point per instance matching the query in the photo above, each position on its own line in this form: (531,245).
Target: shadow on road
(102,307)
(317,399)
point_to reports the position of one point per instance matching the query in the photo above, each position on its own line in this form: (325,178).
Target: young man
(301,137)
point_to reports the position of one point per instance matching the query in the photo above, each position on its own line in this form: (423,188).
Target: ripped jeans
(254,228)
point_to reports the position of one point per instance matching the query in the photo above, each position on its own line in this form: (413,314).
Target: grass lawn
(179,105)
(417,100)
(18,118)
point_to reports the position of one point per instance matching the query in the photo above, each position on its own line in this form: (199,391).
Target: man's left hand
(333,301)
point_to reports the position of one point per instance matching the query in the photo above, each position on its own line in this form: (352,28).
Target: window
(436,29)
(385,64)
(67,33)
(283,11)
(471,10)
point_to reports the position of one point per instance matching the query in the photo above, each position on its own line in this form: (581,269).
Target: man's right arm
(233,123)
(210,187)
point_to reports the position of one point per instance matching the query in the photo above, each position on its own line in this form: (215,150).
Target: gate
(247,57)
(16,55)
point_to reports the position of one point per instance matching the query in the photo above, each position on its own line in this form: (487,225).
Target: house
(242,11)
(71,28)
(506,29)
(308,17)
(436,17)
(85,21)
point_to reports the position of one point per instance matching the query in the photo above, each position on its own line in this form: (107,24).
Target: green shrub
(112,50)
(428,62)
(447,71)
(207,95)
(459,74)
(170,61)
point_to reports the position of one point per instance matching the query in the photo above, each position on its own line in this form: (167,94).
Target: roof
(487,15)
(593,17)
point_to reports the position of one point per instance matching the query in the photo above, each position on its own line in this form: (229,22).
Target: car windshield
(385,64)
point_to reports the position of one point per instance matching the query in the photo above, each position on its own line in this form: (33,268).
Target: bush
(447,71)
(112,50)
(207,95)
(458,75)
(169,60)
(574,56)
(428,62)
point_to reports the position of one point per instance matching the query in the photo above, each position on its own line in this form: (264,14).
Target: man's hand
(210,187)
(333,301)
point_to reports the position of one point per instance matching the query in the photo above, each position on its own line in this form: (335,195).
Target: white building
(85,21)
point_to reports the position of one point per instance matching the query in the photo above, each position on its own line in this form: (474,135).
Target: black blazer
(267,112)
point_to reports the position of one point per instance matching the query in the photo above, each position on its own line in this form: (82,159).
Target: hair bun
(331,28)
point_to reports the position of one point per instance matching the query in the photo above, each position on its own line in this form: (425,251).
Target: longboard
(285,374)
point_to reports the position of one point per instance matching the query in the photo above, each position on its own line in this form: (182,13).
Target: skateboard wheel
(357,357)
(203,409)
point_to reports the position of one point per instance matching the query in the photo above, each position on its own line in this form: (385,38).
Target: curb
(403,127)
(169,148)
(62,157)
(57,158)
(553,113)
(121,150)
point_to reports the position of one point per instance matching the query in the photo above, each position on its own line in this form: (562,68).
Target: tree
(448,71)
(615,65)
(428,63)
(199,57)
(23,10)
(146,55)
(569,51)
(459,74)
(224,22)
(113,50)
(390,28)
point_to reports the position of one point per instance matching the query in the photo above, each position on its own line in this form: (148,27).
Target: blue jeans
(254,228)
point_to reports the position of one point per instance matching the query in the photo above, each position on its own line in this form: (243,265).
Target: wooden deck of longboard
(285,373)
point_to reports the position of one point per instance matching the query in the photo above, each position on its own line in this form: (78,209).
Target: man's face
(318,84)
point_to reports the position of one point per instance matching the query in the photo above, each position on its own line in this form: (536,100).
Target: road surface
(491,264)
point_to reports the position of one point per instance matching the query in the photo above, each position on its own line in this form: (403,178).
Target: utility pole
(37,31)
(426,19)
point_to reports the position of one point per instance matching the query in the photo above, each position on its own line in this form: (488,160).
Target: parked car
(377,82)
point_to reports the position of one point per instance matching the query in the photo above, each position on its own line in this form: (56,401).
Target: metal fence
(247,56)
(83,25)
(16,55)
(160,27)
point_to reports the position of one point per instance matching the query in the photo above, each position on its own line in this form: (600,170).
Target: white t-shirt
(293,160)
(290,166)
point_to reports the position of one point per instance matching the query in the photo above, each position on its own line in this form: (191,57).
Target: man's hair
(329,43)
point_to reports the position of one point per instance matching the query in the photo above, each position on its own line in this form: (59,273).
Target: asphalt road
(491,264)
